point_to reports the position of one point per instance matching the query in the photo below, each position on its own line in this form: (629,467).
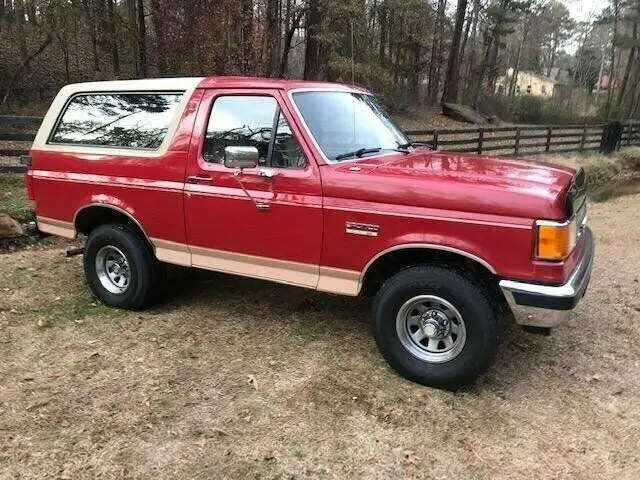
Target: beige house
(527,83)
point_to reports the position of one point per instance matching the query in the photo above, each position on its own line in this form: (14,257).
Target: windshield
(343,122)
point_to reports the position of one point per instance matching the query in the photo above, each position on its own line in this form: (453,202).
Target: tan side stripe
(326,279)
(282,271)
(56,227)
(172,252)
(340,281)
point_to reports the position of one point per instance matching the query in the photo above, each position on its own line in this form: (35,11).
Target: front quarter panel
(503,244)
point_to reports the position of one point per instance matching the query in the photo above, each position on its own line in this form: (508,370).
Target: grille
(576,196)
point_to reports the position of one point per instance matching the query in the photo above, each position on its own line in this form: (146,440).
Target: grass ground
(13,195)
(237,378)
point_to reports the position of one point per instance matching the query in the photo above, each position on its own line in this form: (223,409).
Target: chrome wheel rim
(113,270)
(431,328)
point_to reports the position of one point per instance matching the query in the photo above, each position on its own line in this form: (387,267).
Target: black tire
(146,273)
(466,296)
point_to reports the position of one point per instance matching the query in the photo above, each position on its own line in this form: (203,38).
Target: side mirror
(241,157)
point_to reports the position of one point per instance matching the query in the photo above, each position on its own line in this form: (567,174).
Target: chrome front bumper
(550,305)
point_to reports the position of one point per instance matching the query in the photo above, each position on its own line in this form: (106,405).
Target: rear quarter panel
(148,187)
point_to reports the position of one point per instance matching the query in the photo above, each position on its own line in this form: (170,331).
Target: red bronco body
(312,185)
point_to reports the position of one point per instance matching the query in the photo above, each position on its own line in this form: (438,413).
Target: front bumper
(550,305)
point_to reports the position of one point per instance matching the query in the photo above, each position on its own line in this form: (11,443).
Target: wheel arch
(92,215)
(393,259)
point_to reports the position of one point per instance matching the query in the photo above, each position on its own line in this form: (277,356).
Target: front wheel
(435,326)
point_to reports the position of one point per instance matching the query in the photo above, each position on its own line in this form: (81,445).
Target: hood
(450,181)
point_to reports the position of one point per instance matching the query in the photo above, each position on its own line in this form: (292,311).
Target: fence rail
(528,139)
(500,141)
(13,128)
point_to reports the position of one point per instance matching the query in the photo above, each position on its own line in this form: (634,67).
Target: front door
(264,222)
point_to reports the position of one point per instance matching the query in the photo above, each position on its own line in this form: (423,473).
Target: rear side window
(129,120)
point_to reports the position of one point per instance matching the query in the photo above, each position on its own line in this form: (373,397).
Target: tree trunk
(22,39)
(312,50)
(554,52)
(513,81)
(436,52)
(161,29)
(613,56)
(113,39)
(414,77)
(481,73)
(284,60)
(450,94)
(465,37)
(142,39)
(272,37)
(31,12)
(133,36)
(492,73)
(384,14)
(630,61)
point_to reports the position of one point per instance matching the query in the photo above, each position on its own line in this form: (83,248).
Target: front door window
(252,121)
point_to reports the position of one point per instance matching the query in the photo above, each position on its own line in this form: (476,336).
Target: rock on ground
(9,227)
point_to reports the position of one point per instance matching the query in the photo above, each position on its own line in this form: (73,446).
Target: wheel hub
(112,268)
(431,328)
(434,324)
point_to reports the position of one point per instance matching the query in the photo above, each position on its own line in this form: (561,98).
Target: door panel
(226,231)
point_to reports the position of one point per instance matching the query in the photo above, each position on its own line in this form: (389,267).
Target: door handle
(267,173)
(200,179)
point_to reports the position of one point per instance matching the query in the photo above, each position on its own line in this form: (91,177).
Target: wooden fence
(16,129)
(499,141)
(525,140)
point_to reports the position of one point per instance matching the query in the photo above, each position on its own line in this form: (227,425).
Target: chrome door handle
(200,179)
(267,173)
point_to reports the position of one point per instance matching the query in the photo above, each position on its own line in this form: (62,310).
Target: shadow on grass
(336,319)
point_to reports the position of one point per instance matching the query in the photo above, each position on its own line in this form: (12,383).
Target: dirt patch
(237,378)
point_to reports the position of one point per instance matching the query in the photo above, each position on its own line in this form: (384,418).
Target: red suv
(311,184)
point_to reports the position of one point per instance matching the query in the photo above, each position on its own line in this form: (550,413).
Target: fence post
(548,145)
(629,133)
(480,140)
(517,146)
(584,137)
(435,140)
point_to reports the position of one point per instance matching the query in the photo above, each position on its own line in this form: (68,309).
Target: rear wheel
(120,267)
(435,326)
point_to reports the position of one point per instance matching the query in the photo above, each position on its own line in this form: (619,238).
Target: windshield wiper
(363,151)
(358,153)
(404,146)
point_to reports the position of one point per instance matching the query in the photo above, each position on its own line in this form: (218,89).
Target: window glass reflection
(117,120)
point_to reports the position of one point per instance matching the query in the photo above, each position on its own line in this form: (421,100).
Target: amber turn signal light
(554,241)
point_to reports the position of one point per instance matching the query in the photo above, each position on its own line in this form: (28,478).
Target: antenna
(353,67)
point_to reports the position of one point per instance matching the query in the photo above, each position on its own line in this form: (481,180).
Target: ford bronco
(311,184)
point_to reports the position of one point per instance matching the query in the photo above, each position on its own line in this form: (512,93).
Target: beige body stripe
(56,227)
(323,278)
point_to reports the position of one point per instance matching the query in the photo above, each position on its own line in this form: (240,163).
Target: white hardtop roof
(153,84)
